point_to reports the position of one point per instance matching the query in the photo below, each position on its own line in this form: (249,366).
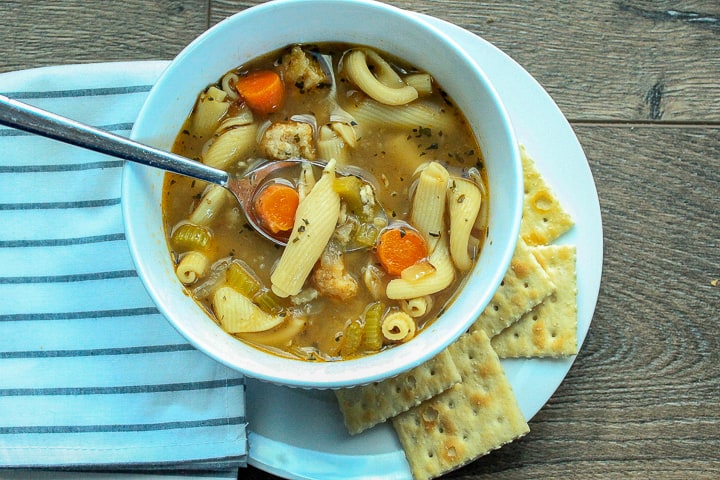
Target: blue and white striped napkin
(91,374)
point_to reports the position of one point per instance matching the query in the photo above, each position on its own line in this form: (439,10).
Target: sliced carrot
(399,248)
(275,207)
(262,90)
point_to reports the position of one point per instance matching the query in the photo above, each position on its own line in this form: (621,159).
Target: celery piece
(189,237)
(267,302)
(366,234)
(242,280)
(373,338)
(349,190)
(352,339)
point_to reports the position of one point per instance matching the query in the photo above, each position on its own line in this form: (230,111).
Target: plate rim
(259,443)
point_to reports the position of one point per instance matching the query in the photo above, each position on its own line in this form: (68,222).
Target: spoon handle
(40,122)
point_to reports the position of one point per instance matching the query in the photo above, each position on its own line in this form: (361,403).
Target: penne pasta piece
(390,93)
(330,146)
(422,82)
(238,314)
(481,221)
(347,132)
(372,277)
(306,181)
(371,114)
(230,146)
(210,108)
(210,205)
(398,327)
(315,220)
(463,201)
(192,266)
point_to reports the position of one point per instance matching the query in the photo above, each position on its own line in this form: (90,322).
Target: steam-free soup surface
(387,268)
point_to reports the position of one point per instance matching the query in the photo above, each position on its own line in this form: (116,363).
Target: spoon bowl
(244,187)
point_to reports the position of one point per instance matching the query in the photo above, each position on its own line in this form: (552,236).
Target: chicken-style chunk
(331,277)
(302,70)
(283,140)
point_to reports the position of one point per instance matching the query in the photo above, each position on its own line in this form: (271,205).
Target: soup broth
(388,268)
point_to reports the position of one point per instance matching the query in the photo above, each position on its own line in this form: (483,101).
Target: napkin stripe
(91,373)
(121,428)
(60,168)
(97,351)
(113,127)
(125,312)
(124,389)
(77,277)
(61,242)
(102,202)
(82,92)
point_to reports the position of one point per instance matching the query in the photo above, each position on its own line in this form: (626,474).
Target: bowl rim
(319,374)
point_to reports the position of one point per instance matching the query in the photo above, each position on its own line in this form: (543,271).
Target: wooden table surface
(639,82)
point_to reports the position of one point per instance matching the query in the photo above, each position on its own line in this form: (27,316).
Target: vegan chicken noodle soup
(370,259)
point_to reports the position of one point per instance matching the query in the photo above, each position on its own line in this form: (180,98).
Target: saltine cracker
(365,406)
(550,329)
(472,418)
(544,218)
(525,285)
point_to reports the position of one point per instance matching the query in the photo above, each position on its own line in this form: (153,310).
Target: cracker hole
(534,317)
(411,381)
(430,414)
(502,284)
(526,284)
(553,334)
(516,334)
(398,389)
(545,220)
(431,454)
(496,308)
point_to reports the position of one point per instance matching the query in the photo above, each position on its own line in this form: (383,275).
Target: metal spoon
(37,121)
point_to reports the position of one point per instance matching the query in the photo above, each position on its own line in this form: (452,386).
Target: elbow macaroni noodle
(464,202)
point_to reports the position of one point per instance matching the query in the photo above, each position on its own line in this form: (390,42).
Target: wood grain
(65,32)
(580,52)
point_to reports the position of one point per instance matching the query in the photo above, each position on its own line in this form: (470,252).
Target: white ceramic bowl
(269,27)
